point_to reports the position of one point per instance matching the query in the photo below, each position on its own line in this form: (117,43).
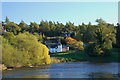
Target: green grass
(82,56)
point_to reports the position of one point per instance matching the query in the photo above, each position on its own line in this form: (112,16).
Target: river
(66,70)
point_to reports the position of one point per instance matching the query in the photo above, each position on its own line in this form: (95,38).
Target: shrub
(74,44)
(96,49)
(39,37)
(26,50)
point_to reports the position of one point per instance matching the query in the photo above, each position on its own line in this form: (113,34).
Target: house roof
(52,45)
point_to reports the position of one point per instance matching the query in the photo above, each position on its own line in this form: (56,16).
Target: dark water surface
(66,70)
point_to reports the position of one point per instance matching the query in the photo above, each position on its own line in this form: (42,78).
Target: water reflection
(103,75)
(39,76)
(66,70)
(25,72)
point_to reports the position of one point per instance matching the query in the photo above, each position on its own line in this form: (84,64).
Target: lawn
(82,56)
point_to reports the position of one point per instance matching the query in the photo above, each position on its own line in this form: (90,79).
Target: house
(55,47)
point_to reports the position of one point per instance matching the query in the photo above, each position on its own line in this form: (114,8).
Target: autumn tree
(74,43)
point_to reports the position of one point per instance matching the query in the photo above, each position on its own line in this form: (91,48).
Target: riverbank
(79,56)
(65,70)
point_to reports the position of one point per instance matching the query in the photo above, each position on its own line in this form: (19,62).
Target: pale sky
(76,12)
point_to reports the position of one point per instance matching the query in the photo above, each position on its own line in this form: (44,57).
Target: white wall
(54,50)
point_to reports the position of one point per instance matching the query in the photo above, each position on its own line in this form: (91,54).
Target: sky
(75,12)
(60,0)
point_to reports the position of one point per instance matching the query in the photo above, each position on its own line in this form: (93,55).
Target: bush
(39,37)
(96,50)
(93,50)
(74,44)
(25,51)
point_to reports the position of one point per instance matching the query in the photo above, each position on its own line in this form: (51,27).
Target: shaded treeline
(22,43)
(84,32)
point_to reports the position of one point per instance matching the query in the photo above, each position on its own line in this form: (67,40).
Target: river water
(66,70)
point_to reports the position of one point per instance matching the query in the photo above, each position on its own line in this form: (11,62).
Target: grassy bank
(82,56)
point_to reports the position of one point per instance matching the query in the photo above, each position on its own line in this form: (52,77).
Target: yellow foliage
(107,35)
(26,50)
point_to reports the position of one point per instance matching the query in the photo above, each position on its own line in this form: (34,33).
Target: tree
(12,27)
(103,43)
(39,37)
(59,29)
(34,27)
(112,33)
(7,20)
(7,53)
(44,27)
(74,43)
(69,27)
(35,49)
(25,50)
(100,21)
(1,29)
(52,27)
(89,24)
(81,31)
(24,26)
(89,34)
(10,37)
(118,35)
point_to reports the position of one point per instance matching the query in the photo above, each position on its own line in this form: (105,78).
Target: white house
(56,47)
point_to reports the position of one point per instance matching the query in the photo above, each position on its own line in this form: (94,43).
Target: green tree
(100,21)
(69,27)
(103,43)
(118,35)
(89,34)
(7,20)
(81,31)
(34,27)
(24,26)
(52,27)
(59,29)
(12,27)
(44,27)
